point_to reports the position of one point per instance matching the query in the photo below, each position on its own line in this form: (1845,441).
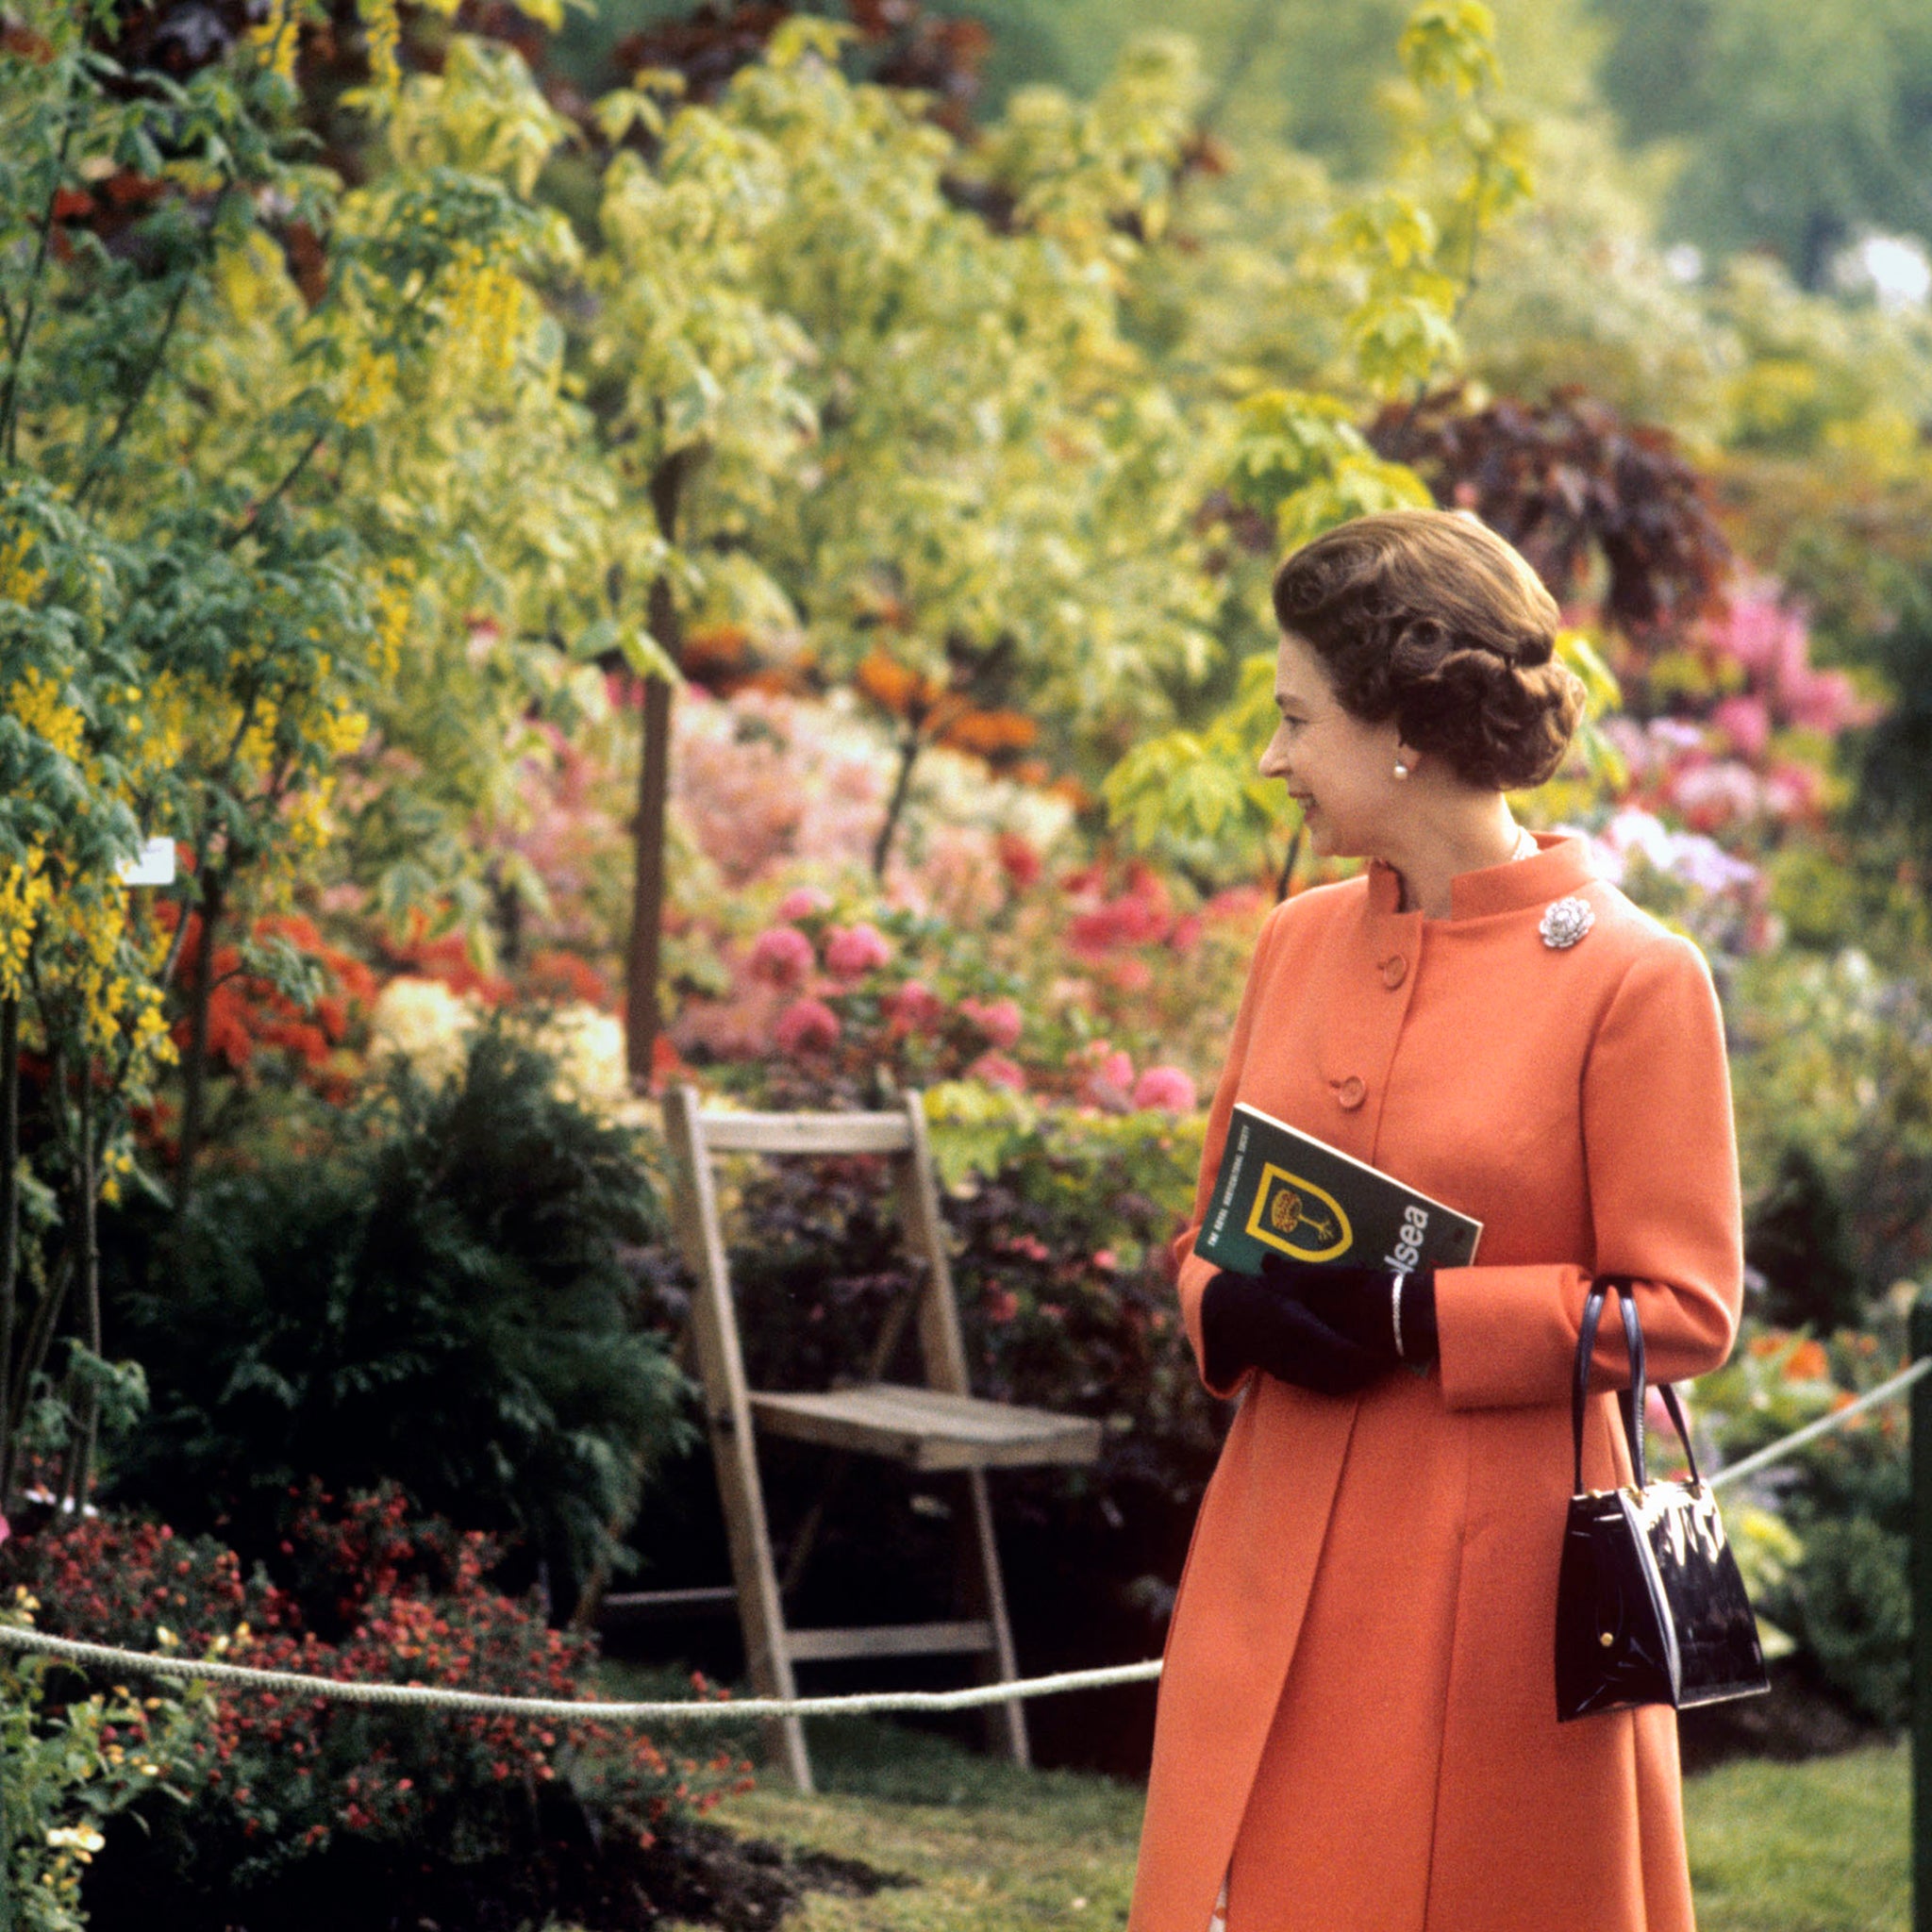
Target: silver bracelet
(1395,1314)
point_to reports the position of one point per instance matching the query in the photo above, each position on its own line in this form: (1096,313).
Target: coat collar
(1562,866)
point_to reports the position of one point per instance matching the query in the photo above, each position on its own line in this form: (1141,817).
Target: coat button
(1394,971)
(1349,1093)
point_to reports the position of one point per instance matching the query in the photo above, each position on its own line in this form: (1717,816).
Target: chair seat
(927,1428)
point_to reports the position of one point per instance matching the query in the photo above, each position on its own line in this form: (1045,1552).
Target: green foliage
(1854,1612)
(1830,1566)
(1799,1240)
(442,1293)
(1831,1057)
(1402,257)
(71,1763)
(1836,91)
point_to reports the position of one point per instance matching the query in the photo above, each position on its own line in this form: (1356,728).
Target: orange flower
(990,733)
(1808,1363)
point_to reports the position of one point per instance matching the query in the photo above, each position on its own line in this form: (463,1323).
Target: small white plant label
(154,866)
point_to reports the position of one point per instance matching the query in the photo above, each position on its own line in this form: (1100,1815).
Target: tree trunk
(647,900)
(902,788)
(1285,876)
(80,1454)
(194,1064)
(645,957)
(10,1212)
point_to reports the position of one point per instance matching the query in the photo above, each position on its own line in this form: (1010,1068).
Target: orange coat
(1357,1713)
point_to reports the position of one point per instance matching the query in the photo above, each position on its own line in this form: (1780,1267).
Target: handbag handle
(1630,1400)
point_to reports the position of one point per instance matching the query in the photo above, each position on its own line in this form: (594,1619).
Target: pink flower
(996,1070)
(913,1007)
(804,902)
(1019,861)
(1746,722)
(1002,1303)
(852,952)
(999,1020)
(806,1024)
(1110,1082)
(781,954)
(1167,1086)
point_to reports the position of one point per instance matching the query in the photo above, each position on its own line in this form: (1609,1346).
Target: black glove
(1329,1329)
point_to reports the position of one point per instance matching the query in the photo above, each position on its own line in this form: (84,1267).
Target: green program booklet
(1284,1190)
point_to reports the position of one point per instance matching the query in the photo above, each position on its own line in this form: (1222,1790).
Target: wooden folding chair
(939,1426)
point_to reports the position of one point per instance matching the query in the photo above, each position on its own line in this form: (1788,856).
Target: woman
(1356,1729)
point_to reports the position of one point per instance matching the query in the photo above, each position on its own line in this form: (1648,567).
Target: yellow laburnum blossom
(484,311)
(384,33)
(276,36)
(35,699)
(343,731)
(258,741)
(371,389)
(25,894)
(19,580)
(393,606)
(306,820)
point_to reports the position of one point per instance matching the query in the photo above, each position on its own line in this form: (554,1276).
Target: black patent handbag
(1650,1606)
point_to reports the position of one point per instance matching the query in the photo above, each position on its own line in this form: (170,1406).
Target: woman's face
(1339,770)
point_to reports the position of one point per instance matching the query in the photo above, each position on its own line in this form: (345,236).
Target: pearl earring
(1402,770)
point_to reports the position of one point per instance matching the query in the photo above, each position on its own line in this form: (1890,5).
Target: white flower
(589,1048)
(421,1023)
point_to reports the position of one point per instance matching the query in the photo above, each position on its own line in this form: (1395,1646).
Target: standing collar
(1561,865)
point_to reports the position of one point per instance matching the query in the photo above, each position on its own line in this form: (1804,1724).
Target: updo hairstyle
(1428,617)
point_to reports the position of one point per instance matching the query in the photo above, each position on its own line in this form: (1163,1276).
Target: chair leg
(1005,1723)
(760,1615)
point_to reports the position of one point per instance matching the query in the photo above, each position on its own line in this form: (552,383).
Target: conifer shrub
(442,1290)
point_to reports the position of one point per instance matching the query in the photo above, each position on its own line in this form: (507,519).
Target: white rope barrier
(1777,1452)
(476,1703)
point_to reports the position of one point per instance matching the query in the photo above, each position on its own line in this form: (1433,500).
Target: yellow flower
(345,731)
(384,34)
(276,37)
(19,580)
(371,389)
(36,701)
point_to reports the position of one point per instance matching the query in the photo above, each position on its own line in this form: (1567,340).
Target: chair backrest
(695,1137)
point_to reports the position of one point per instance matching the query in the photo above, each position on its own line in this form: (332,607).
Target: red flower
(913,1007)
(1019,861)
(805,1025)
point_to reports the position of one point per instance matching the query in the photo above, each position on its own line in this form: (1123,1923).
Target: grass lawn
(1815,1847)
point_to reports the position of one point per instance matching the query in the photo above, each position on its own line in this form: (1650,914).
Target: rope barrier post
(1922,1619)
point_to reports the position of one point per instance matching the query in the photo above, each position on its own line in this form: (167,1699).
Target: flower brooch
(1566,921)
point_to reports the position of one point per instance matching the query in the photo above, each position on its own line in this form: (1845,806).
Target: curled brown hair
(1428,617)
